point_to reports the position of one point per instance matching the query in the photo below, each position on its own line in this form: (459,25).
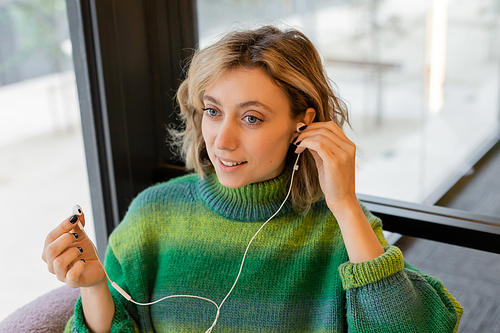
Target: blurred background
(421,80)
(42,161)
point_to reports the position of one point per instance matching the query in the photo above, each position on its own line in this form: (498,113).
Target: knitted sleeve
(388,295)
(122,321)
(121,267)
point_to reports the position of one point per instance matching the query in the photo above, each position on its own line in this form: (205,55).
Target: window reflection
(42,163)
(421,79)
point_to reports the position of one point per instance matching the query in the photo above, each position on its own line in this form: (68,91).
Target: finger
(323,148)
(317,158)
(68,225)
(329,129)
(74,274)
(63,261)
(332,126)
(64,227)
(57,247)
(331,139)
(327,150)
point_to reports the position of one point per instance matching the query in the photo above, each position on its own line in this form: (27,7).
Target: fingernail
(77,210)
(76,235)
(73,219)
(293,141)
(81,250)
(83,260)
(302,128)
(298,143)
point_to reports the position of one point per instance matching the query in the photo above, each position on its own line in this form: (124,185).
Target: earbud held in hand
(77,210)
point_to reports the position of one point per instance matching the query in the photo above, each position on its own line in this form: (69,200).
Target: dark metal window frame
(128,57)
(441,224)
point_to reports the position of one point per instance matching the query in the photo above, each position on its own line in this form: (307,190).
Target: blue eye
(252,119)
(211,112)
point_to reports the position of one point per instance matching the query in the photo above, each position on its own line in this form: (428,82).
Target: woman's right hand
(71,255)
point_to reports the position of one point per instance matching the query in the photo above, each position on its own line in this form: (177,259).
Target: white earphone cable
(129,298)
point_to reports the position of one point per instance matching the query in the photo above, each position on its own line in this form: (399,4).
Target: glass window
(42,161)
(420,79)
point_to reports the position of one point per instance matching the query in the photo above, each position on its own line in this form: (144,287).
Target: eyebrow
(254,103)
(211,99)
(240,105)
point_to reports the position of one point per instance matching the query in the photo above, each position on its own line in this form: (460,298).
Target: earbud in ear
(297,130)
(299,125)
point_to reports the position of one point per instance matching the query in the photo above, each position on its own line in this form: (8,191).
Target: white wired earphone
(77,210)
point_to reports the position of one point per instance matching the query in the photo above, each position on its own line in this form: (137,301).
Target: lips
(230,163)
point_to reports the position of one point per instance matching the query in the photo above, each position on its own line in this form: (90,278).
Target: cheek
(276,150)
(205,131)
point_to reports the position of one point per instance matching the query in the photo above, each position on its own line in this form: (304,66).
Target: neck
(249,203)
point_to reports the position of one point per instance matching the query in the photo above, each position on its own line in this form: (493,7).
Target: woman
(320,265)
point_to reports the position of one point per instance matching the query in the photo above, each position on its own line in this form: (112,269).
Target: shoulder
(153,204)
(182,188)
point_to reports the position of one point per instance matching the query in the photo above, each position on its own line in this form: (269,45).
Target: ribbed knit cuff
(363,273)
(121,322)
(79,318)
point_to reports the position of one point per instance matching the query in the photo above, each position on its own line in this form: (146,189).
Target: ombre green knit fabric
(188,236)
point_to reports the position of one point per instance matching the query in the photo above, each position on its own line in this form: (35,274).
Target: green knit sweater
(188,236)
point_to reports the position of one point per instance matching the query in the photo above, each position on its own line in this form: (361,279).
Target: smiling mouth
(230,164)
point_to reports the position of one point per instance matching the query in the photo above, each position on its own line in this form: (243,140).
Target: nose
(227,136)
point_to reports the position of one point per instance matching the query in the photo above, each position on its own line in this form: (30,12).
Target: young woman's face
(247,127)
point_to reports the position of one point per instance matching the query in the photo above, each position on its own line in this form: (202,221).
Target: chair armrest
(46,314)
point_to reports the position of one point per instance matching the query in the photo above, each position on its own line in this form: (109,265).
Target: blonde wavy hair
(292,63)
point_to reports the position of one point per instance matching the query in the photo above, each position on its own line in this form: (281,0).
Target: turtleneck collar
(249,203)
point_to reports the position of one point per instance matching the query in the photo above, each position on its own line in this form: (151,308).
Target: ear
(309,117)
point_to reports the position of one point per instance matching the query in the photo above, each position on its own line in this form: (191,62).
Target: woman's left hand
(335,157)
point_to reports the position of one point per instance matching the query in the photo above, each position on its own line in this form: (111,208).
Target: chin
(231,183)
